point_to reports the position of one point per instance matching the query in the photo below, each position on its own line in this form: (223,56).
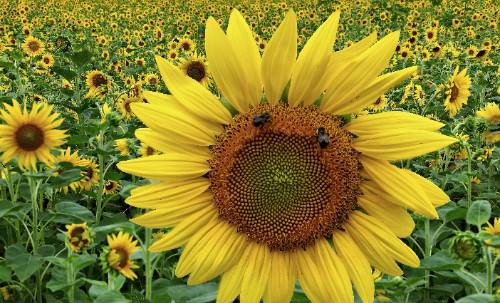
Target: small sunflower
(116,257)
(33,46)
(123,146)
(186,44)
(146,150)
(79,237)
(90,173)
(491,113)
(284,190)
(98,83)
(430,35)
(29,136)
(123,105)
(196,67)
(493,230)
(379,104)
(68,158)
(47,61)
(458,92)
(111,187)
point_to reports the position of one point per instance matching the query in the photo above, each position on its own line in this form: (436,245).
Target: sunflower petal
(436,195)
(279,58)
(374,90)
(181,234)
(394,216)
(256,274)
(167,167)
(362,71)
(282,278)
(225,67)
(248,55)
(230,283)
(310,67)
(159,142)
(193,95)
(401,144)
(381,122)
(398,249)
(357,265)
(398,184)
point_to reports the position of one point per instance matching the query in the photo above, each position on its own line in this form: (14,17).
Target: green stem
(70,275)
(469,180)
(149,267)
(428,252)
(490,268)
(100,190)
(111,278)
(35,233)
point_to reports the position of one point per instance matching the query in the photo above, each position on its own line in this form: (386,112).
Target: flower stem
(100,190)
(149,267)
(70,277)
(427,253)
(35,234)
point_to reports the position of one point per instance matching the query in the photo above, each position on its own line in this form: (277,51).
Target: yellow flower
(33,46)
(491,112)
(68,158)
(111,187)
(273,194)
(79,237)
(122,145)
(121,248)
(458,91)
(493,230)
(47,61)
(196,67)
(90,174)
(29,136)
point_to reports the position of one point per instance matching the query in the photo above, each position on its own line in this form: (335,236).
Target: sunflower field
(249,151)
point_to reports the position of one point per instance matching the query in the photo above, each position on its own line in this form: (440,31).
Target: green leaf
(81,58)
(440,261)
(111,296)
(5,273)
(456,214)
(82,261)
(478,298)
(478,213)
(21,262)
(64,72)
(46,250)
(7,208)
(160,291)
(193,294)
(70,212)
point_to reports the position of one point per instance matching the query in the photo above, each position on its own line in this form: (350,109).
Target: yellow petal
(248,55)
(279,57)
(230,283)
(282,276)
(165,194)
(373,91)
(225,254)
(180,234)
(256,274)
(374,250)
(191,94)
(357,265)
(225,67)
(401,144)
(172,214)
(160,99)
(377,123)
(436,195)
(311,65)
(167,167)
(396,183)
(178,126)
(394,216)
(165,144)
(360,73)
(340,59)
(400,251)
(311,277)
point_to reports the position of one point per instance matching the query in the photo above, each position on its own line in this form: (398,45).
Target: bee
(322,136)
(261,119)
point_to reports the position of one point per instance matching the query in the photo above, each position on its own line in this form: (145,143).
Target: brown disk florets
(285,176)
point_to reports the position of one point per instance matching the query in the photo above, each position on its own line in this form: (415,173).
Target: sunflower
(123,146)
(186,44)
(274,194)
(196,67)
(491,112)
(79,236)
(124,103)
(98,83)
(111,187)
(458,91)
(430,35)
(116,257)
(379,104)
(493,230)
(146,150)
(33,46)
(29,136)
(47,61)
(67,158)
(90,174)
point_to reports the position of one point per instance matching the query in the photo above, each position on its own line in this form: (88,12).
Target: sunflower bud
(466,247)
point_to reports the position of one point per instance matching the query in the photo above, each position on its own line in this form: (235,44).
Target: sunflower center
(99,80)
(285,176)
(454,93)
(196,70)
(33,46)
(123,254)
(29,137)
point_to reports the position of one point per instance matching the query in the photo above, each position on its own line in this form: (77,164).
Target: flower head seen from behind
(79,237)
(29,136)
(284,190)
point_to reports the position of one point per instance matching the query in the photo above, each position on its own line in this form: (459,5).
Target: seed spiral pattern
(274,181)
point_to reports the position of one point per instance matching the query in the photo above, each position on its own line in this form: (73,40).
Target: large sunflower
(286,189)
(29,136)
